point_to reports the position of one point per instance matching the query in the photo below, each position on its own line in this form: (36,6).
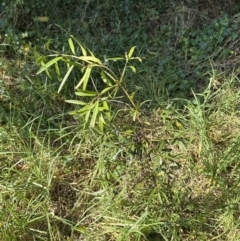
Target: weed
(172,174)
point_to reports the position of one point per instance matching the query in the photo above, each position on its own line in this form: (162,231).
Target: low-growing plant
(95,100)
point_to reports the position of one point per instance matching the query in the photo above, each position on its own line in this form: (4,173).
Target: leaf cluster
(96,108)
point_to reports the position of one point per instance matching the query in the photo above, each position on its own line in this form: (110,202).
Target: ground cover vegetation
(119,120)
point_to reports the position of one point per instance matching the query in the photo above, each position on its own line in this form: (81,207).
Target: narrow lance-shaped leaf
(57,69)
(48,74)
(111,77)
(76,102)
(116,59)
(139,59)
(82,48)
(85,78)
(105,79)
(132,95)
(130,53)
(83,110)
(101,122)
(65,78)
(90,59)
(95,113)
(91,53)
(41,60)
(84,52)
(101,108)
(135,114)
(43,64)
(42,19)
(87,114)
(80,229)
(47,45)
(86,93)
(71,45)
(106,90)
(108,114)
(132,68)
(48,64)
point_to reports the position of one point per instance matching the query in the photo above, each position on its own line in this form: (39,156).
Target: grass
(171,175)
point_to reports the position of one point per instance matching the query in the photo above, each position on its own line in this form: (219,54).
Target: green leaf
(101,122)
(106,90)
(102,119)
(90,59)
(105,79)
(139,59)
(104,98)
(48,74)
(135,114)
(80,229)
(65,78)
(41,59)
(95,113)
(42,19)
(48,64)
(132,68)
(101,108)
(84,52)
(57,69)
(70,42)
(47,45)
(130,53)
(85,78)
(116,59)
(84,109)
(82,48)
(91,52)
(106,106)
(132,95)
(86,93)
(142,103)
(111,77)
(77,102)
(87,114)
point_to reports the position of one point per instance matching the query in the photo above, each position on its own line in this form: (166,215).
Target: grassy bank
(172,173)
